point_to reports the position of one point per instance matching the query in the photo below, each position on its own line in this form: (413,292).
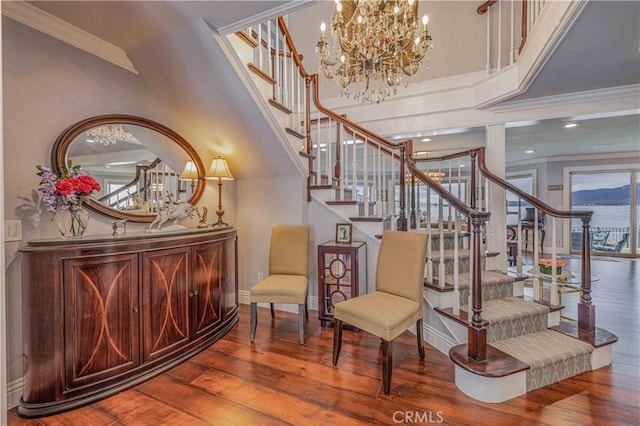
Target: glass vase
(72,222)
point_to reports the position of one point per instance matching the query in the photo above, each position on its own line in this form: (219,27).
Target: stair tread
(510,308)
(543,348)
(487,277)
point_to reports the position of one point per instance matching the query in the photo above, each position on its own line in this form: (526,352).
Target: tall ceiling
(601,50)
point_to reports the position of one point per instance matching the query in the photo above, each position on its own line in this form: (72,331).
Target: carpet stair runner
(517,327)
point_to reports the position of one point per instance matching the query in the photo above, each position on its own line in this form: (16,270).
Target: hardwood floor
(277,381)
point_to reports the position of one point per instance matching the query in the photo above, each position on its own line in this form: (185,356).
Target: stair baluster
(441,267)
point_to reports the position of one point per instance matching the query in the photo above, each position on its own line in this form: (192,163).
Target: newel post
(477,332)
(401,224)
(586,310)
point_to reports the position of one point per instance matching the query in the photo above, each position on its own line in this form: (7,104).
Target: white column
(497,226)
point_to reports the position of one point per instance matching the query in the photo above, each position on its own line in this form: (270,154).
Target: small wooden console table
(340,268)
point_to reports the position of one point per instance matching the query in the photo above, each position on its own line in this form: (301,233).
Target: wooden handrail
(484,7)
(321,108)
(567,214)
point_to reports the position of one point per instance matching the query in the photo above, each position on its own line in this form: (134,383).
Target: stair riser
(448,239)
(489,292)
(463,264)
(516,327)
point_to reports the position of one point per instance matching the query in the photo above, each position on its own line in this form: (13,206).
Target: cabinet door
(229,278)
(165,316)
(100,318)
(206,287)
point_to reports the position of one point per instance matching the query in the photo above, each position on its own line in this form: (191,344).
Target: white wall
(265,203)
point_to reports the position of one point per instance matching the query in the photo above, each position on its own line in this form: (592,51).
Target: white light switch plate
(12,230)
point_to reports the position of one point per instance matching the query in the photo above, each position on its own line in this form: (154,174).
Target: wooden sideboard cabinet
(103,314)
(340,269)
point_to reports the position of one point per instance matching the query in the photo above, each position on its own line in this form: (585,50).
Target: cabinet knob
(195,292)
(190,294)
(135,310)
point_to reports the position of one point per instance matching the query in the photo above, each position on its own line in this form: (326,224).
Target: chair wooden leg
(337,340)
(420,338)
(306,310)
(387,365)
(253,322)
(301,322)
(273,311)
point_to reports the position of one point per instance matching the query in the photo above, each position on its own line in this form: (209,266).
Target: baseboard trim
(438,339)
(15,389)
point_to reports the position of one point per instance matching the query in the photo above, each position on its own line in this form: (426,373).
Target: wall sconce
(220,170)
(190,172)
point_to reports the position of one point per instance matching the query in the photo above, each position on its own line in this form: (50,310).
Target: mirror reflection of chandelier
(377,42)
(109,134)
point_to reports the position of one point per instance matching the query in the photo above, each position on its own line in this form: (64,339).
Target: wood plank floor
(277,381)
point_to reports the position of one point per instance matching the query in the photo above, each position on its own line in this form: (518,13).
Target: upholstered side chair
(288,275)
(396,303)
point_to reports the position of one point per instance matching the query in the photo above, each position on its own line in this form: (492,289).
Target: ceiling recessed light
(90,140)
(570,125)
(426,140)
(529,151)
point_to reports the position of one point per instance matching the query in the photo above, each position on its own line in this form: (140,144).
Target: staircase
(529,348)
(502,343)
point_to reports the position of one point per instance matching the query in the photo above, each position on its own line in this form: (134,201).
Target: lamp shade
(190,171)
(219,169)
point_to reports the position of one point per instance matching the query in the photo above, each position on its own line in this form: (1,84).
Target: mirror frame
(62,143)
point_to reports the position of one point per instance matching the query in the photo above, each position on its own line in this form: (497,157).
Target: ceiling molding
(597,95)
(579,157)
(55,27)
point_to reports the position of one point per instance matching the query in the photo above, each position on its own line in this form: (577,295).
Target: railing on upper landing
(508,25)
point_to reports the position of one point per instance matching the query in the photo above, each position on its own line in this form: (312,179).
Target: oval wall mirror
(141,165)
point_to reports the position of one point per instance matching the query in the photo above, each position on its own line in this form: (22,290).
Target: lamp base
(220,223)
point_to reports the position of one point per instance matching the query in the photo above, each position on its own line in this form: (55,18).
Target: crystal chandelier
(377,43)
(109,134)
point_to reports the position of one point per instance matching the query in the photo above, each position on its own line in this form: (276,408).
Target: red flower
(65,187)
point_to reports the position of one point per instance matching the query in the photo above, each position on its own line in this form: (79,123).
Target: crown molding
(631,91)
(579,157)
(55,27)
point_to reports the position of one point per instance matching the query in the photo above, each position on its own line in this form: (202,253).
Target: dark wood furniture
(103,314)
(340,268)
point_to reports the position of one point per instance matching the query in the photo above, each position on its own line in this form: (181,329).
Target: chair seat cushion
(382,314)
(280,289)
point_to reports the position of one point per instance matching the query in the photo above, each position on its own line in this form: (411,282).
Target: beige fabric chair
(288,275)
(397,302)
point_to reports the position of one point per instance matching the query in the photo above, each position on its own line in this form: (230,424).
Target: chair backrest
(289,250)
(530,216)
(401,263)
(622,242)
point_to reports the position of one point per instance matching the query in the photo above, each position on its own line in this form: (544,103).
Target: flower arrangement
(546,266)
(67,192)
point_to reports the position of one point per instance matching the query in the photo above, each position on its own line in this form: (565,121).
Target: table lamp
(190,172)
(219,170)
